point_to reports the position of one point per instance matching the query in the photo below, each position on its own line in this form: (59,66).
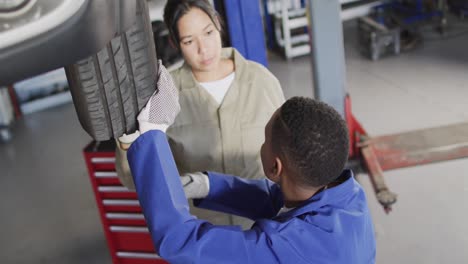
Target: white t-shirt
(219,88)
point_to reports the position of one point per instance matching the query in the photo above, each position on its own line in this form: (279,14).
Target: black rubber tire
(111,87)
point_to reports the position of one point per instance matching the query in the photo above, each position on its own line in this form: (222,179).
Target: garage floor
(48,212)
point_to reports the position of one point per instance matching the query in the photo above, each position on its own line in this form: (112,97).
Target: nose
(202,47)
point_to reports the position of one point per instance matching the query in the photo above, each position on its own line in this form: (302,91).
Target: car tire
(111,87)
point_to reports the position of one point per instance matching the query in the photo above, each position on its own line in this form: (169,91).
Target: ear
(277,170)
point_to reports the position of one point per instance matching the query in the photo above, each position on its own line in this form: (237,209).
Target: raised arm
(178,236)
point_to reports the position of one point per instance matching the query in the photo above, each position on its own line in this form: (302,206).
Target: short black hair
(175,9)
(313,140)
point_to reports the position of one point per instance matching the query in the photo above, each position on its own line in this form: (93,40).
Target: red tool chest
(124,225)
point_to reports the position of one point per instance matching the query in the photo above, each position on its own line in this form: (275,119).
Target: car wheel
(111,87)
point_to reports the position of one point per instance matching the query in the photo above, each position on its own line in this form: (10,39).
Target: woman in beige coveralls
(225,100)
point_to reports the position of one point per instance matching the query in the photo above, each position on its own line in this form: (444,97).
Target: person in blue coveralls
(309,210)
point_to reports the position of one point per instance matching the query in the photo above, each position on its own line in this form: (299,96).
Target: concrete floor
(48,212)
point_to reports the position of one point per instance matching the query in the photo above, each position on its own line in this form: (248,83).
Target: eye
(209,32)
(188,42)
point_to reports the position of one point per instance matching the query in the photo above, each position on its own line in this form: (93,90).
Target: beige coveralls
(224,138)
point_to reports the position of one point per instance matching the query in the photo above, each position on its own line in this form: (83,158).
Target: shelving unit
(290,22)
(43,91)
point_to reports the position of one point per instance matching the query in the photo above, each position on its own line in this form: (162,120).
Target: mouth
(207,61)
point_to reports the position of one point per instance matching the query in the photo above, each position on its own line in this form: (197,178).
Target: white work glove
(196,185)
(163,106)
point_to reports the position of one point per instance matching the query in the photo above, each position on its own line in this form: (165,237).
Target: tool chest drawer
(115,192)
(129,219)
(132,238)
(106,178)
(121,205)
(138,258)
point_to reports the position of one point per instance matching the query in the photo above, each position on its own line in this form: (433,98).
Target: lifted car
(107,49)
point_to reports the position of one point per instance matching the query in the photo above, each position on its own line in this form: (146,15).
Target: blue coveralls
(333,226)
